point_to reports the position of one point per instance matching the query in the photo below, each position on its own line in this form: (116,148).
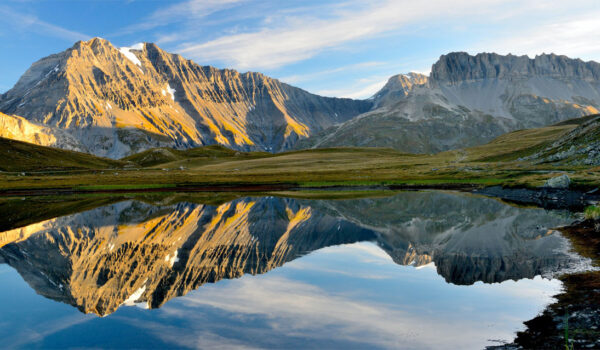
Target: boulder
(562,181)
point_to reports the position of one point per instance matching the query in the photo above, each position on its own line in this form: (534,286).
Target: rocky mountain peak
(460,66)
(119,101)
(398,86)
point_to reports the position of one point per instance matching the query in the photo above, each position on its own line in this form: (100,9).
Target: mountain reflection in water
(145,253)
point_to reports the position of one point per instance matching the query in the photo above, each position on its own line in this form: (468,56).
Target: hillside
(18,128)
(470,100)
(120,101)
(157,156)
(580,147)
(511,159)
(22,156)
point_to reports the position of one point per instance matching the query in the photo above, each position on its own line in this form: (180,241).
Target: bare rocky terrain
(116,102)
(470,100)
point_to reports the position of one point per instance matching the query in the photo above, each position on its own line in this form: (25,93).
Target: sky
(343,48)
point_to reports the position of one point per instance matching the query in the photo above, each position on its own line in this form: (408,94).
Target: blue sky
(331,47)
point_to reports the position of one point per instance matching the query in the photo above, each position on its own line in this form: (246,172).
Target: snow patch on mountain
(130,55)
(171,91)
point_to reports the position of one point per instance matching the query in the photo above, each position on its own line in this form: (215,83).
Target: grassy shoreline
(502,162)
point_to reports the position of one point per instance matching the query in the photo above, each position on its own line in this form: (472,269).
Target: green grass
(492,164)
(517,144)
(123,187)
(592,212)
(416,182)
(167,157)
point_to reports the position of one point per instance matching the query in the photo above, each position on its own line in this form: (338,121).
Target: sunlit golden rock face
(120,101)
(18,128)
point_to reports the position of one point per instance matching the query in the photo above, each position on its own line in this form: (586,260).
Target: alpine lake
(395,270)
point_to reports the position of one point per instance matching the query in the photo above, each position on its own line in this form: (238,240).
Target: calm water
(416,270)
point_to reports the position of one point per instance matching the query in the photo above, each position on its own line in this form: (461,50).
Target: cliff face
(121,101)
(470,100)
(458,67)
(134,253)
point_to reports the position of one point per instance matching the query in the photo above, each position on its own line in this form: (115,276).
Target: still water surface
(416,270)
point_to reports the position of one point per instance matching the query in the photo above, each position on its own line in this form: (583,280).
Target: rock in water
(562,181)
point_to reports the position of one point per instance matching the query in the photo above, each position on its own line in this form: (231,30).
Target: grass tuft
(592,212)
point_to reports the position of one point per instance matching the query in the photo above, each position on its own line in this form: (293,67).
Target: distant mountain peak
(398,86)
(470,100)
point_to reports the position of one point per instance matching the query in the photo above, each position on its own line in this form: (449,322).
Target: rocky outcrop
(581,146)
(470,100)
(562,181)
(121,101)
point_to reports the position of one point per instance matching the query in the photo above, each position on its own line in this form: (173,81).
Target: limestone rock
(562,181)
(122,101)
(470,100)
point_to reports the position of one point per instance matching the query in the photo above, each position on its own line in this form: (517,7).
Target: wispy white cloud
(575,36)
(266,35)
(294,308)
(292,79)
(189,12)
(297,38)
(360,89)
(32,23)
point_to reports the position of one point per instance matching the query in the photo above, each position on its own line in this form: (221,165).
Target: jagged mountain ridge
(121,101)
(136,253)
(469,100)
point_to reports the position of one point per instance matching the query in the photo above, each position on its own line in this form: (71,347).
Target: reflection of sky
(345,296)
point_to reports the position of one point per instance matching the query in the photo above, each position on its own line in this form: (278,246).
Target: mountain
(146,253)
(119,101)
(397,87)
(469,100)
